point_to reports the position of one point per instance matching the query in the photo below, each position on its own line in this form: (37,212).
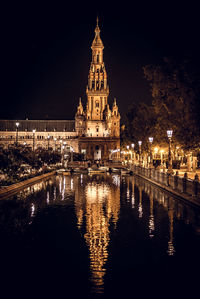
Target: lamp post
(140,144)
(61,151)
(169,135)
(17,125)
(150,141)
(34,139)
(61,146)
(72,151)
(55,144)
(128,153)
(48,137)
(132,146)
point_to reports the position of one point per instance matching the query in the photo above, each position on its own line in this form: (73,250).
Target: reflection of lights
(171,249)
(60,186)
(127,194)
(72,183)
(32,210)
(47,197)
(151,226)
(54,193)
(140,210)
(101,204)
(116,180)
(63,190)
(133,201)
(81,178)
(96,192)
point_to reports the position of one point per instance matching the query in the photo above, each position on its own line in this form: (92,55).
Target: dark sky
(45,51)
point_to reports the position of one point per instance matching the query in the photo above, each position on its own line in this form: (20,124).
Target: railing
(182,185)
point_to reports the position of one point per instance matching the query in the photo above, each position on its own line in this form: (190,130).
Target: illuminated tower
(98,126)
(97,89)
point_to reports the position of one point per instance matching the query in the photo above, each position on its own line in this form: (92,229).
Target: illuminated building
(98,126)
(95,130)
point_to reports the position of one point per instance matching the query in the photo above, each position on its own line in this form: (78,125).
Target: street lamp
(61,146)
(140,144)
(34,139)
(150,141)
(127,153)
(48,137)
(132,146)
(72,151)
(169,135)
(17,125)
(55,143)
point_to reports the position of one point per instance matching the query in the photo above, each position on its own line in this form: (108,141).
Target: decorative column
(34,139)
(151,160)
(169,135)
(140,152)
(17,125)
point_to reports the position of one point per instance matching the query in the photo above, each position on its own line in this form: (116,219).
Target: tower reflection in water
(98,200)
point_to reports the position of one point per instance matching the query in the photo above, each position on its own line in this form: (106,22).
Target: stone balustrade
(182,185)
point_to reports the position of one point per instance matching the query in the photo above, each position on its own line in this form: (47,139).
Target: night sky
(45,51)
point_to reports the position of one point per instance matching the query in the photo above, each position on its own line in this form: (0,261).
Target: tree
(140,122)
(175,87)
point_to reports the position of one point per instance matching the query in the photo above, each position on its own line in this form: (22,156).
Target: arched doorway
(97,153)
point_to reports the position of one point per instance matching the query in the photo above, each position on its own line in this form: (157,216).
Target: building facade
(98,126)
(95,132)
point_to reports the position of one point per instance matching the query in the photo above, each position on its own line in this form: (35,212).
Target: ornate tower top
(97,42)
(97,89)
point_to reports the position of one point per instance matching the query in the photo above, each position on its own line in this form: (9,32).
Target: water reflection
(171,249)
(151,217)
(175,209)
(140,202)
(99,200)
(96,203)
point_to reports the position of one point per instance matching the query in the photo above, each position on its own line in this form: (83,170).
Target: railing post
(185,182)
(163,176)
(196,185)
(176,180)
(168,179)
(159,175)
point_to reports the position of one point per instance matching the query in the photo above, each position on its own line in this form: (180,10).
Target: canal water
(99,236)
